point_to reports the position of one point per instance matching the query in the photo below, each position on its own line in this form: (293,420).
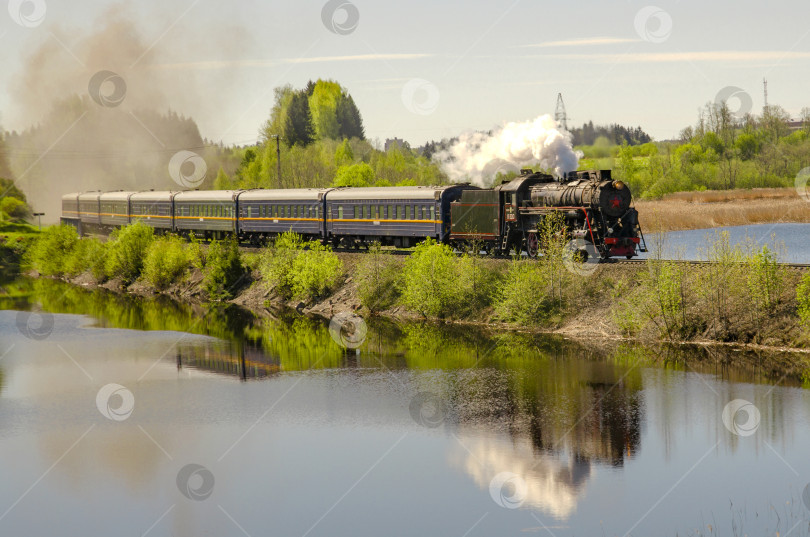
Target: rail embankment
(741,297)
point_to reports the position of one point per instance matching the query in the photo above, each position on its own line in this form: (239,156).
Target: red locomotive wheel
(532,244)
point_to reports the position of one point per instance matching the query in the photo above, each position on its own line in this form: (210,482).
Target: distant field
(716,208)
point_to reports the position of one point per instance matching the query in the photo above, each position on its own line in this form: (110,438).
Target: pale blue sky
(484,62)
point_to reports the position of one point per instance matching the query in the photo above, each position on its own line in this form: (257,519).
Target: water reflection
(552,411)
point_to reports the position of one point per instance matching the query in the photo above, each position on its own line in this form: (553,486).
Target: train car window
(317,211)
(390,212)
(367,211)
(400,212)
(340,212)
(407,212)
(356,212)
(433,212)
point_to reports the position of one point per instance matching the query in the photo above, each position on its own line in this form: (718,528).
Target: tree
(344,154)
(359,174)
(350,123)
(323,107)
(222,182)
(278,115)
(298,123)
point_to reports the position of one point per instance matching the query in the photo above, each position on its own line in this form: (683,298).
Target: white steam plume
(477,157)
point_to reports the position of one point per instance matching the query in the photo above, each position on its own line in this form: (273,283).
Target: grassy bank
(746,296)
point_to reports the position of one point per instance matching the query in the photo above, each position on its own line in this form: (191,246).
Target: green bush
(50,252)
(223,268)
(167,260)
(477,283)
(803,299)
(377,278)
(518,299)
(429,281)
(299,269)
(90,254)
(127,251)
(13,208)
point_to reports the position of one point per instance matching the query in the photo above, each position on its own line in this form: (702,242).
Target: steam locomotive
(597,213)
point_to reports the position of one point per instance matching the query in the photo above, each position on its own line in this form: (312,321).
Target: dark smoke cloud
(79,135)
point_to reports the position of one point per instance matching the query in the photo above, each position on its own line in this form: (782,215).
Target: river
(131,416)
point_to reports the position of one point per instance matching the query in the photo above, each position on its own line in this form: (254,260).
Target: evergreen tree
(298,124)
(349,119)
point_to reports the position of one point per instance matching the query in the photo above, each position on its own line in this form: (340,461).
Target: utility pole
(559,114)
(278,157)
(39,219)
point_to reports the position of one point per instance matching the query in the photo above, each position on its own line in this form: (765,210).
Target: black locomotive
(597,210)
(506,218)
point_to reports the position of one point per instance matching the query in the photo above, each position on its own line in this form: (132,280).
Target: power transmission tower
(559,114)
(765,85)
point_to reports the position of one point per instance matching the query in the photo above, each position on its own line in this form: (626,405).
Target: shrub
(377,279)
(477,280)
(88,254)
(167,259)
(50,253)
(13,208)
(429,284)
(518,300)
(127,251)
(223,268)
(803,299)
(316,269)
(765,279)
(299,269)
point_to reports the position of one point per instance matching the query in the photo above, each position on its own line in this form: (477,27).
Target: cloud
(227,64)
(582,42)
(675,57)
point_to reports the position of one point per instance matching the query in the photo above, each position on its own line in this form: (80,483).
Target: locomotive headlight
(610,231)
(618,185)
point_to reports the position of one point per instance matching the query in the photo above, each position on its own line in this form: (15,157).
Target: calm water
(691,244)
(422,431)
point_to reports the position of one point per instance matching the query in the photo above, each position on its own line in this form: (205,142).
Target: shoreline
(252,297)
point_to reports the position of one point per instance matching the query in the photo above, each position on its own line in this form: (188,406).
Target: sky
(423,70)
